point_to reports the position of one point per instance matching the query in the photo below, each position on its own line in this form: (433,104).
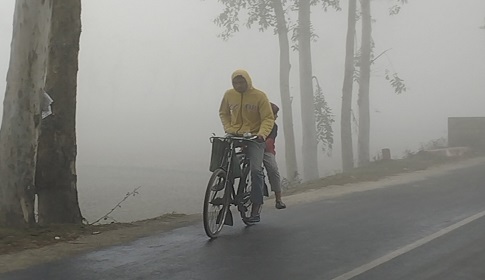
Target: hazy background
(152,74)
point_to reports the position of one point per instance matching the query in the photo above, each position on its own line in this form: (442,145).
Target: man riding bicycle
(246,110)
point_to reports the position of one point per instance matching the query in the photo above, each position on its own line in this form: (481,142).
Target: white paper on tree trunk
(46,105)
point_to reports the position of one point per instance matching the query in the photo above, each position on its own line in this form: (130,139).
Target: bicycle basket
(217,156)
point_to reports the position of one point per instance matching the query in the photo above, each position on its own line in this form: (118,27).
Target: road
(429,229)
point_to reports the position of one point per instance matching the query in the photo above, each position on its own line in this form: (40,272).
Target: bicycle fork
(228,218)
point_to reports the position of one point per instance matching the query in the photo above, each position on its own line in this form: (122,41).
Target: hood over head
(245,75)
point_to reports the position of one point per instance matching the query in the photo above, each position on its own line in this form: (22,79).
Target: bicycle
(228,163)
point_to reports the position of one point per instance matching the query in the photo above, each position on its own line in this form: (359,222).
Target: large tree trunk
(346,123)
(21,113)
(290,151)
(56,181)
(364,84)
(310,146)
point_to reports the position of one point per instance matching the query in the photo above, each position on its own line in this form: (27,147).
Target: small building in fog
(467,132)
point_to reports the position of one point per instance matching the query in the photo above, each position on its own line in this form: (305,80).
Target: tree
(324,119)
(22,114)
(304,36)
(56,180)
(364,84)
(268,13)
(346,111)
(365,62)
(290,151)
(310,145)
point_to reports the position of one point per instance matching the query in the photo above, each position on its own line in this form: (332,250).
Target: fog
(152,74)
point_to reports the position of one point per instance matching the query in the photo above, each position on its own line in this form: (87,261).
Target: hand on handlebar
(248,136)
(257,138)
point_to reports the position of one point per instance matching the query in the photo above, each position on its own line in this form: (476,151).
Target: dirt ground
(22,248)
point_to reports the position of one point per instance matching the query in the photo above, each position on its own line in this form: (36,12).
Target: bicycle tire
(243,195)
(216,204)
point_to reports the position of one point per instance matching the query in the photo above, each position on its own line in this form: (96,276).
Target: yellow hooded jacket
(249,111)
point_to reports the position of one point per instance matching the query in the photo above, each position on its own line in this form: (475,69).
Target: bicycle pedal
(242,208)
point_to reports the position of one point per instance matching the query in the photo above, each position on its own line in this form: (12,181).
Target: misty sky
(152,74)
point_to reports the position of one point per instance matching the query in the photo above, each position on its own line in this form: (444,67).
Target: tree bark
(290,151)
(310,147)
(22,114)
(364,84)
(346,113)
(56,179)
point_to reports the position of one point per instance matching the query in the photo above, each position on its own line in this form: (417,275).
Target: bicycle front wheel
(216,204)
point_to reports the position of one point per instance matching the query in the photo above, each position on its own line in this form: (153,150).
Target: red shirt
(270,140)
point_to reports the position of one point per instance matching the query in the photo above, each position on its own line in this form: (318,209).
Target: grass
(377,170)
(14,240)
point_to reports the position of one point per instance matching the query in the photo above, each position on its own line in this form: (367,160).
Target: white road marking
(407,248)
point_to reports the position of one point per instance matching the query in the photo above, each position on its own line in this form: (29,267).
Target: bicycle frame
(232,156)
(228,159)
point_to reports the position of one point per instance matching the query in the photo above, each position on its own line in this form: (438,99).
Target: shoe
(280,205)
(254,219)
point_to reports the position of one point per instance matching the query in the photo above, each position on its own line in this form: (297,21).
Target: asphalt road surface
(430,229)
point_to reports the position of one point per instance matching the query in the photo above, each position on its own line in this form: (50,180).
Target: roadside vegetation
(380,169)
(14,240)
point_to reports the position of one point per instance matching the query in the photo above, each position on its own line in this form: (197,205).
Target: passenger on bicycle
(245,109)
(270,164)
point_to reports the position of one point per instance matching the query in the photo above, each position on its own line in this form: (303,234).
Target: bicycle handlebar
(240,138)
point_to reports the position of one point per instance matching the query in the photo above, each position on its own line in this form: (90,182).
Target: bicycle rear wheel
(243,196)
(216,204)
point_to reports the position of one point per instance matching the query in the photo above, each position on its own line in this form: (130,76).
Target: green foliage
(396,82)
(324,119)
(438,143)
(229,18)
(335,4)
(294,36)
(395,9)
(261,12)
(258,11)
